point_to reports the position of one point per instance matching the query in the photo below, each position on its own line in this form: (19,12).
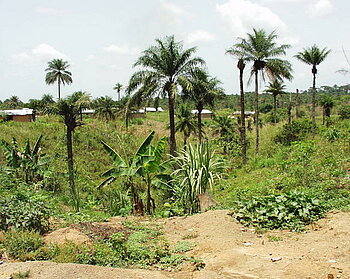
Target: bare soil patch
(229,251)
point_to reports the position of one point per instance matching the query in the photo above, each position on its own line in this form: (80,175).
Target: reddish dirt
(229,251)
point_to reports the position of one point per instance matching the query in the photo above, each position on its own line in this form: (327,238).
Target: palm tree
(162,65)
(275,88)
(185,122)
(13,102)
(237,52)
(262,49)
(57,71)
(327,103)
(105,108)
(201,89)
(313,56)
(118,87)
(69,109)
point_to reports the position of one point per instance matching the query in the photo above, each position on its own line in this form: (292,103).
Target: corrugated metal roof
(204,111)
(24,111)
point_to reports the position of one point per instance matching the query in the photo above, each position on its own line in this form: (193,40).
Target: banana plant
(143,164)
(29,163)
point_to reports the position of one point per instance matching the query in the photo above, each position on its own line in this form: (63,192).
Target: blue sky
(102,39)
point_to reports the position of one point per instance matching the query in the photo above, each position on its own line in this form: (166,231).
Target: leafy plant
(297,131)
(21,211)
(19,243)
(292,210)
(197,169)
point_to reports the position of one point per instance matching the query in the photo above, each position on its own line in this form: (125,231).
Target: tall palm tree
(105,108)
(69,109)
(275,88)
(185,122)
(57,71)
(201,89)
(237,52)
(262,49)
(13,102)
(313,56)
(118,87)
(161,65)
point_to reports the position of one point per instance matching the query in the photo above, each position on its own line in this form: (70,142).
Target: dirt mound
(49,270)
(230,251)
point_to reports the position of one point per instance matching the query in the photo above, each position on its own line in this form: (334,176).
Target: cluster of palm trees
(166,67)
(261,49)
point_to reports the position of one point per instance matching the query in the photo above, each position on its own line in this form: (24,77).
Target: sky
(101,40)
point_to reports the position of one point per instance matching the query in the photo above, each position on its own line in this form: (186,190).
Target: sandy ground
(229,251)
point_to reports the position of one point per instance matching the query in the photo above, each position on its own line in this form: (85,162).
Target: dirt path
(231,251)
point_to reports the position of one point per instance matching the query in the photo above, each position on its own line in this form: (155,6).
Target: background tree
(327,103)
(13,102)
(238,53)
(162,64)
(262,49)
(202,90)
(57,72)
(275,88)
(313,56)
(118,87)
(185,122)
(69,109)
(105,108)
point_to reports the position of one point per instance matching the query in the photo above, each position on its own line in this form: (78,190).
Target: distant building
(150,109)
(88,111)
(246,114)
(206,114)
(18,115)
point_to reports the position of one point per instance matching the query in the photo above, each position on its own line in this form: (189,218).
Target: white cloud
(122,49)
(49,11)
(90,57)
(39,53)
(173,14)
(321,8)
(200,36)
(243,15)
(173,9)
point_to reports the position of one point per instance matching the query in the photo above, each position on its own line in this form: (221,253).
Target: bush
(292,210)
(344,111)
(297,131)
(19,243)
(20,211)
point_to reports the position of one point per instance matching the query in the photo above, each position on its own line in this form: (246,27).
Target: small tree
(69,109)
(327,104)
(185,122)
(275,88)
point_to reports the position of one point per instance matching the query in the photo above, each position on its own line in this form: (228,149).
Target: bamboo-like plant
(197,171)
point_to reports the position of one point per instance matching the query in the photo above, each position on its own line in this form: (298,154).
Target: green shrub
(21,211)
(19,243)
(344,111)
(292,210)
(297,131)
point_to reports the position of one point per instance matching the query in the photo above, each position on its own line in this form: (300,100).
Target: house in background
(18,115)
(206,114)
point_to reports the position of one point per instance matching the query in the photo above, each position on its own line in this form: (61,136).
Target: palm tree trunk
(59,88)
(275,108)
(256,115)
(241,66)
(70,163)
(314,71)
(171,102)
(148,206)
(297,104)
(199,123)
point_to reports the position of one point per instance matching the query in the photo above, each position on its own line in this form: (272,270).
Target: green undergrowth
(138,243)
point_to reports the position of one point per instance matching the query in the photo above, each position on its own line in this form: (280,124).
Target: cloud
(122,49)
(172,13)
(200,36)
(39,53)
(243,15)
(90,57)
(321,8)
(49,11)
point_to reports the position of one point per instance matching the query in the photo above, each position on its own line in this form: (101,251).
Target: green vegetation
(297,171)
